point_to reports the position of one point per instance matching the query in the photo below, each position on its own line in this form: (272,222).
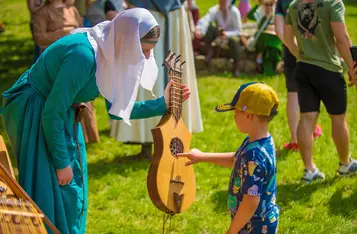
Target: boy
(252,186)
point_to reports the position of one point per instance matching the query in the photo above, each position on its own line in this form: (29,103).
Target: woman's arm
(73,74)
(151,108)
(144,109)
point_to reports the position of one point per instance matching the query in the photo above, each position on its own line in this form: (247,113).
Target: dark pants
(230,47)
(316,84)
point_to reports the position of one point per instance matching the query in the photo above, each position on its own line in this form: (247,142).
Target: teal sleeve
(73,73)
(144,109)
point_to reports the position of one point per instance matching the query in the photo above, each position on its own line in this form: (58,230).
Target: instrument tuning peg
(176,61)
(171,57)
(178,57)
(182,64)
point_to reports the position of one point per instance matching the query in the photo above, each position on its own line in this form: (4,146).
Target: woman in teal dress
(112,59)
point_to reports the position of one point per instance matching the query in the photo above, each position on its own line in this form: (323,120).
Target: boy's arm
(244,214)
(221,159)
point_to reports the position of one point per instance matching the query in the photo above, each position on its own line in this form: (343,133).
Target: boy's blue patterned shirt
(254,174)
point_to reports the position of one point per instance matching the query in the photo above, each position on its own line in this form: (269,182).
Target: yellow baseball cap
(254,98)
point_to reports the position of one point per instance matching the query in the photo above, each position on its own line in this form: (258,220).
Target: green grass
(118,199)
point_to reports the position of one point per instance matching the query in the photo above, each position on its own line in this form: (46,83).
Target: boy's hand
(194,156)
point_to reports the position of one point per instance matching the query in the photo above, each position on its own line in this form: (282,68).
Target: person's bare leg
(341,137)
(292,113)
(305,138)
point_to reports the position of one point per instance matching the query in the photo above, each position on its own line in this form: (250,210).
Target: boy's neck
(258,132)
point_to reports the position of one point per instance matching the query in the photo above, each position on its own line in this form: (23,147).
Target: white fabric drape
(180,43)
(121,64)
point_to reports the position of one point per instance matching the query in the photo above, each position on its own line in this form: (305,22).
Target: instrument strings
(17,215)
(177,108)
(167,216)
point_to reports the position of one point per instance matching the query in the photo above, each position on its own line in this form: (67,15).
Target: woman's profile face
(149,41)
(147,46)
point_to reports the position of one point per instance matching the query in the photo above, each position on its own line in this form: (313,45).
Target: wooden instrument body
(171,184)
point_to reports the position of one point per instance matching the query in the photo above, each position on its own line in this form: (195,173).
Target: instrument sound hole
(176,146)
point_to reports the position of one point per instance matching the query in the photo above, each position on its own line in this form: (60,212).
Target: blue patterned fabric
(254,174)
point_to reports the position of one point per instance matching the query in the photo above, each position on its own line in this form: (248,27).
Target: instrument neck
(176,93)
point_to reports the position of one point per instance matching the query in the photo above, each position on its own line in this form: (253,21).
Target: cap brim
(224,107)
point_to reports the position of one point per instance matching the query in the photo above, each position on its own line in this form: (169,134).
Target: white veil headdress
(121,64)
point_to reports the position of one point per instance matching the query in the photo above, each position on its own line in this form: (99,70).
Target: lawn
(118,198)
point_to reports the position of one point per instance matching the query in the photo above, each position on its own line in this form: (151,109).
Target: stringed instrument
(171,184)
(18,212)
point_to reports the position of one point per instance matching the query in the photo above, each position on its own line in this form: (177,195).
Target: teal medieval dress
(39,119)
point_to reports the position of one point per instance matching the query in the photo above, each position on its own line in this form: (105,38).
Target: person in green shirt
(41,118)
(292,102)
(321,35)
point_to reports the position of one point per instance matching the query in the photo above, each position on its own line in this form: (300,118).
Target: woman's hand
(194,156)
(64,176)
(185,93)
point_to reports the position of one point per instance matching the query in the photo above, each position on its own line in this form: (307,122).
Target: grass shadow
(219,199)
(227,74)
(297,192)
(282,153)
(104,132)
(300,192)
(16,57)
(339,204)
(121,165)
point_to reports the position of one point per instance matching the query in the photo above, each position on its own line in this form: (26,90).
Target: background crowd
(221,32)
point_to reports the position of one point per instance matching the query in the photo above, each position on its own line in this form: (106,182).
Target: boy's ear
(249,116)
